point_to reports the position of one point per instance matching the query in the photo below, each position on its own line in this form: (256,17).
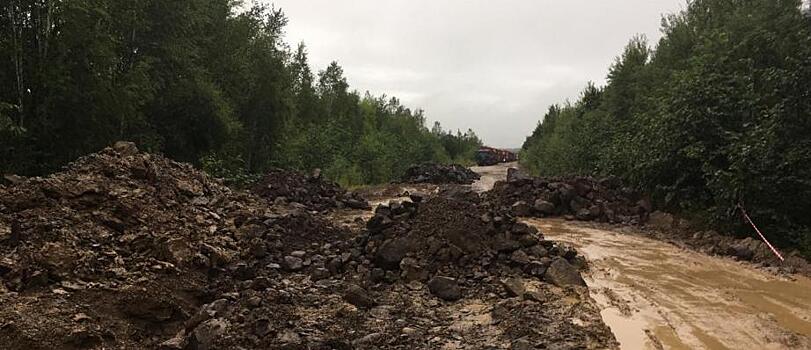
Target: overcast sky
(493,66)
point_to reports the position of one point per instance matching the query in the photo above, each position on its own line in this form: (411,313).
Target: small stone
(544,207)
(521,208)
(535,296)
(292,263)
(369,339)
(416,197)
(514,286)
(81,317)
(445,288)
(521,344)
(519,257)
(125,148)
(391,253)
(562,274)
(503,245)
(298,253)
(289,337)
(204,336)
(320,274)
(254,301)
(261,328)
(376,275)
(358,296)
(661,220)
(527,241)
(412,270)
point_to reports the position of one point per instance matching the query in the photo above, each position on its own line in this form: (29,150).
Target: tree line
(717,115)
(211,82)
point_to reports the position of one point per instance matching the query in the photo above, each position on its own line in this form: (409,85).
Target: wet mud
(655,295)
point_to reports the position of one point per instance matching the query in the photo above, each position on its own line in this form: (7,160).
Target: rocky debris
(313,192)
(456,235)
(581,198)
(138,243)
(439,174)
(130,250)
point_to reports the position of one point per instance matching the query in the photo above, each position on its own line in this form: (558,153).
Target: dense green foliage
(203,81)
(717,114)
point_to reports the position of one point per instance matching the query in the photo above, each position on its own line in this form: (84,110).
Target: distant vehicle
(486,156)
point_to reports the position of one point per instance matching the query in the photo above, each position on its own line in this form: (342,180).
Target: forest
(211,82)
(713,118)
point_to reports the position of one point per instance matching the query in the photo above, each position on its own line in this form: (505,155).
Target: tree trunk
(16,41)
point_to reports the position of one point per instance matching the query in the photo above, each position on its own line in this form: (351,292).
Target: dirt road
(655,295)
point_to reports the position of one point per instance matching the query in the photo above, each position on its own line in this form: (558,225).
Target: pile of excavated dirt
(581,198)
(114,251)
(124,250)
(465,252)
(439,174)
(130,250)
(313,192)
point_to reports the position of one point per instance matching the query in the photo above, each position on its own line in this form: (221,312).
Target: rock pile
(580,198)
(130,250)
(313,192)
(461,251)
(123,248)
(439,174)
(456,235)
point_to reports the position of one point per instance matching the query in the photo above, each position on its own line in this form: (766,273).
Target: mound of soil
(122,249)
(581,198)
(312,191)
(130,250)
(462,251)
(439,174)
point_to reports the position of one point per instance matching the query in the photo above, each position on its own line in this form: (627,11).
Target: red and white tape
(745,215)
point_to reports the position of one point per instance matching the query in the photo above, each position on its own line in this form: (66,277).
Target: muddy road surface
(655,295)
(491,174)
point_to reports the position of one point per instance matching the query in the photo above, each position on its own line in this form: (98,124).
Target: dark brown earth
(315,193)
(130,250)
(581,198)
(439,174)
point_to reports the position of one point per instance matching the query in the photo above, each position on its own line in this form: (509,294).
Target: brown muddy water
(490,174)
(655,295)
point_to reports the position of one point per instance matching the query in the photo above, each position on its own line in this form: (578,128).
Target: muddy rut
(655,295)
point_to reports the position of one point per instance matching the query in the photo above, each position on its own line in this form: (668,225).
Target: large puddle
(657,296)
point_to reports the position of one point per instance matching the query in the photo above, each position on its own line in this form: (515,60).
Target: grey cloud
(493,66)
